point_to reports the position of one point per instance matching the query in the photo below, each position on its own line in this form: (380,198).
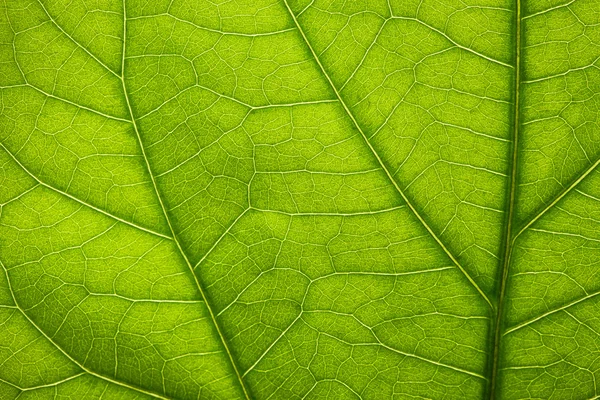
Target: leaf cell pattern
(299,199)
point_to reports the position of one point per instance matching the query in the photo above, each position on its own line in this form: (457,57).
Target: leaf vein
(90,206)
(384,168)
(49,339)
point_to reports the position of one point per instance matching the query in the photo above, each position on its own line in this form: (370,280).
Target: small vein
(53,383)
(11,384)
(410,355)
(558,198)
(565,73)
(544,315)
(330,214)
(282,334)
(75,104)
(97,375)
(204,28)
(164,210)
(32,188)
(455,43)
(575,235)
(380,161)
(39,181)
(76,42)
(549,9)
(222,236)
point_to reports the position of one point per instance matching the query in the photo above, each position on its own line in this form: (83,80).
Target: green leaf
(300,199)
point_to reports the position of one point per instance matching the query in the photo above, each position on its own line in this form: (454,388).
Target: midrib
(508,225)
(166,214)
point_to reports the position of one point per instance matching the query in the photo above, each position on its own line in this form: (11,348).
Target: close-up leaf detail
(300,199)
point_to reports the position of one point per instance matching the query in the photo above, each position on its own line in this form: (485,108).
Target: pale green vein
(227,97)
(358,395)
(264,353)
(383,166)
(224,33)
(11,384)
(550,9)
(20,195)
(79,106)
(50,384)
(405,354)
(330,214)
(90,206)
(50,340)
(574,235)
(565,73)
(454,43)
(558,198)
(554,311)
(364,57)
(220,238)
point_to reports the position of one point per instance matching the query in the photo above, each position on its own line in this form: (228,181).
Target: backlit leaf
(300,199)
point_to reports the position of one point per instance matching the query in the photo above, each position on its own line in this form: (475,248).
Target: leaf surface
(299,199)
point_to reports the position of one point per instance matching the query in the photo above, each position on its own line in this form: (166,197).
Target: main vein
(166,214)
(382,164)
(508,226)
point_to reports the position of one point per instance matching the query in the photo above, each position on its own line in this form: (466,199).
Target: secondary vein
(559,197)
(70,196)
(73,360)
(381,163)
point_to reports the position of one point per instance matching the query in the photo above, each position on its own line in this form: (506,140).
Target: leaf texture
(299,199)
